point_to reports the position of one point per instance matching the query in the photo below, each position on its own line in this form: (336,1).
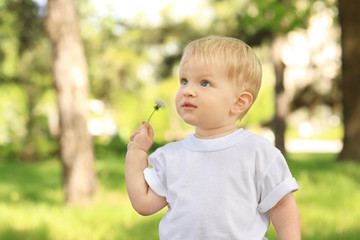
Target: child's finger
(134,135)
(149,130)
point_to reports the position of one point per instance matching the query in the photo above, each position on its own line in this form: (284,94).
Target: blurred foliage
(130,61)
(24,80)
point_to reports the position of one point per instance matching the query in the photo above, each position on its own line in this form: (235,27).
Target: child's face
(205,96)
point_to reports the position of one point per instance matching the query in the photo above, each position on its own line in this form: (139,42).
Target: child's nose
(190,91)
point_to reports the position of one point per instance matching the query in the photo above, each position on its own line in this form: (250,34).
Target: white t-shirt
(219,188)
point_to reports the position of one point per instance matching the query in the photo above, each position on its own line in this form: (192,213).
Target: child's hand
(143,138)
(144,200)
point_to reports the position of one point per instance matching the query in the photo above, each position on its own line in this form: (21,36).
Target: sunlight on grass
(34,208)
(328,197)
(31,202)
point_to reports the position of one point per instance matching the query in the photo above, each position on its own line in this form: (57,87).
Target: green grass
(31,205)
(31,202)
(329,196)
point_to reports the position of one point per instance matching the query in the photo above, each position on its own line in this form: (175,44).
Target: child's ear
(242,103)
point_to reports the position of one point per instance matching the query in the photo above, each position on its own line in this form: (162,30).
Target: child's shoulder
(253,137)
(171,147)
(259,143)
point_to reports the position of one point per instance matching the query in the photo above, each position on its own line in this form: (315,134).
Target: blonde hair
(241,63)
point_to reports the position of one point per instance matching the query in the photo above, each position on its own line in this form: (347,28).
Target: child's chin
(191,122)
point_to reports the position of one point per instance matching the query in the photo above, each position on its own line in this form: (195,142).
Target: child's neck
(214,132)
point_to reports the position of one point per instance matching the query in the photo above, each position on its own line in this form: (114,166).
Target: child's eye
(205,83)
(184,81)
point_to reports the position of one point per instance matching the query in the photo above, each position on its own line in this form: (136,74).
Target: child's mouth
(189,106)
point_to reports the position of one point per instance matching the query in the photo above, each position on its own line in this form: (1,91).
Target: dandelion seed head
(159,103)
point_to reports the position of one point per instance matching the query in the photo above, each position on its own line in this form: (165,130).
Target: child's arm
(144,200)
(285,218)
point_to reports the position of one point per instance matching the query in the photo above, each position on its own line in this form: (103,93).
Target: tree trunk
(281,99)
(71,83)
(350,43)
(29,152)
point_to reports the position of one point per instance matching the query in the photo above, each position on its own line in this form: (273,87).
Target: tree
(71,84)
(350,41)
(261,21)
(281,101)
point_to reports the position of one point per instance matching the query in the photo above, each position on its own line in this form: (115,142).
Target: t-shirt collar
(193,143)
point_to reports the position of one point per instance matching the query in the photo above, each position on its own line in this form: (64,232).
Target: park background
(62,156)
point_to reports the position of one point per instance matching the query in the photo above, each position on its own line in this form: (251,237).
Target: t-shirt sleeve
(276,182)
(155,175)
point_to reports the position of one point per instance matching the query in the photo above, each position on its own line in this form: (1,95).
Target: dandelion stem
(151,115)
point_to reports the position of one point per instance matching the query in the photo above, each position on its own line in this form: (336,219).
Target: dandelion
(159,103)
